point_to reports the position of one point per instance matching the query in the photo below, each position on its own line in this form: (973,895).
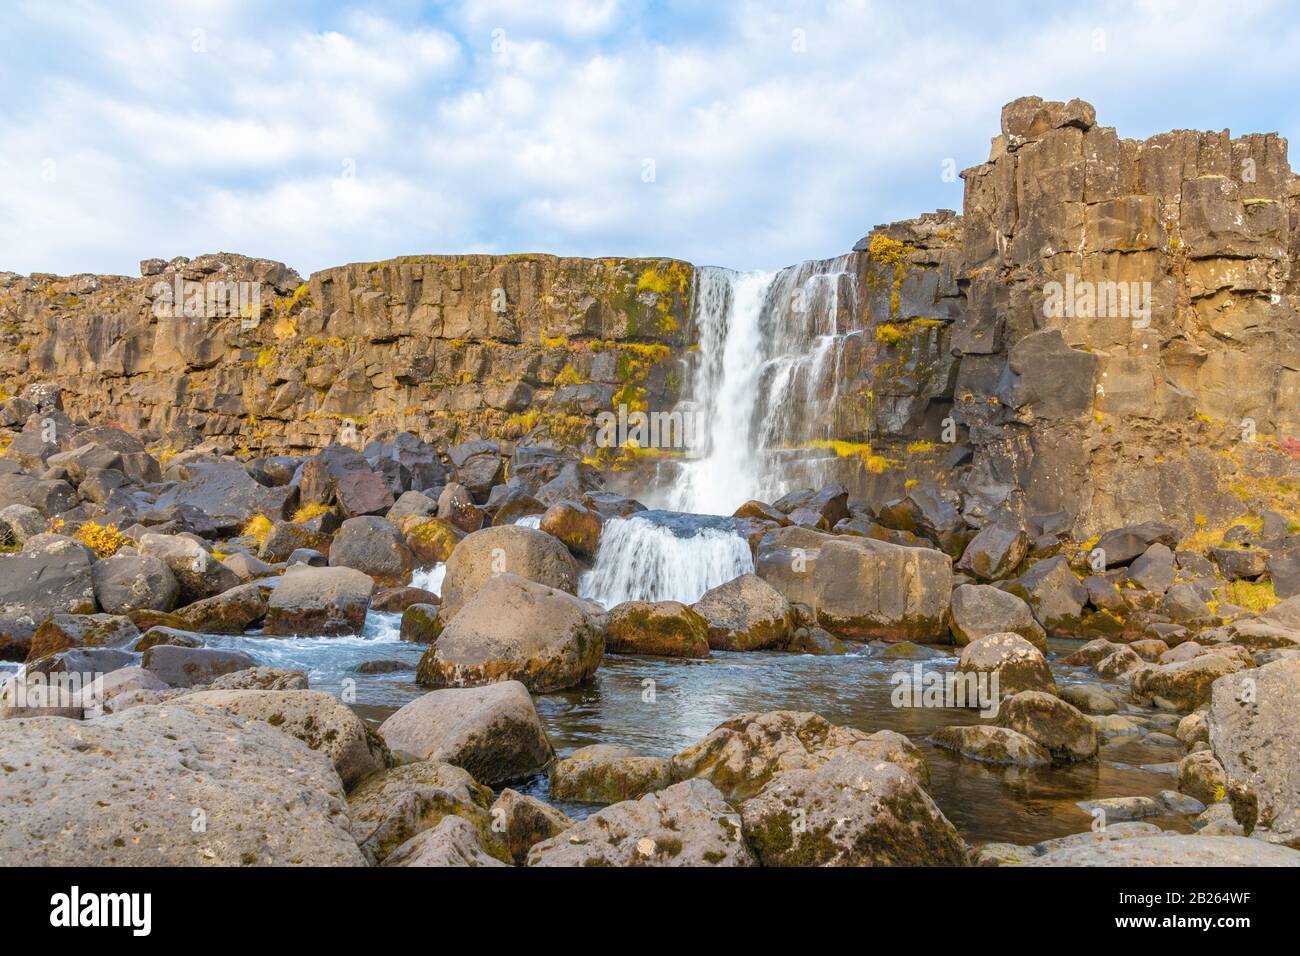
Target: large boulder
(341,476)
(372,546)
(850,811)
(656,628)
(197,571)
(168,786)
(287,537)
(493,731)
(605,773)
(995,552)
(134,582)
(431,540)
(687,824)
(509,549)
(746,614)
(1122,545)
(1256,737)
(979,610)
(1009,664)
(39,584)
(179,666)
(1060,728)
(860,588)
(230,612)
(61,631)
(318,719)
(1055,594)
(740,755)
(227,495)
(324,601)
(1183,686)
(515,629)
(390,807)
(578,527)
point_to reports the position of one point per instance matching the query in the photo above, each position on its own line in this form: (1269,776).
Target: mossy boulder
(1012,661)
(578,527)
(431,540)
(603,773)
(746,614)
(657,628)
(1057,726)
(421,624)
(524,821)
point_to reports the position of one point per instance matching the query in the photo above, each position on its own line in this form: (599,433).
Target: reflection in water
(658,706)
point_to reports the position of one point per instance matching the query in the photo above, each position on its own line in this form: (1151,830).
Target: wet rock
(130,782)
(746,614)
(1175,850)
(317,719)
(1055,725)
(816,641)
(1092,653)
(261,678)
(179,666)
(1114,726)
(979,610)
(1184,686)
(998,745)
(687,824)
(230,612)
(603,773)
(493,732)
(384,665)
(421,624)
(374,547)
(524,821)
(1255,736)
(995,552)
(578,528)
(1089,698)
(1201,776)
(396,600)
(162,634)
(657,628)
(850,811)
(513,628)
(319,601)
(741,754)
(522,552)
(1010,659)
(1116,809)
(390,807)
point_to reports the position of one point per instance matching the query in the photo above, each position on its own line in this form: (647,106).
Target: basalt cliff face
(1108,333)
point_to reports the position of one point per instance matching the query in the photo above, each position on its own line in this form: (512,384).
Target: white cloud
(769,145)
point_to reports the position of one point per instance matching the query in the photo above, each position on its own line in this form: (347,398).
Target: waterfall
(661,555)
(767,380)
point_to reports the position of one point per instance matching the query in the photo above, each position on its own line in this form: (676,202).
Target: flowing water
(768,378)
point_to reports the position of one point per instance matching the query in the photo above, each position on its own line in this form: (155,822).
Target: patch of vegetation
(103,539)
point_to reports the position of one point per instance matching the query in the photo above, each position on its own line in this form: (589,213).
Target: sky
(743,134)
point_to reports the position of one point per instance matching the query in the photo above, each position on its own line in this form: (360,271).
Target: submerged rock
(994,745)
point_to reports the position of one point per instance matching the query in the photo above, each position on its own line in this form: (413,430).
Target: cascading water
(662,555)
(767,380)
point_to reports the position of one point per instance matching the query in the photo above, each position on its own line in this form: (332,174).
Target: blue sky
(750,135)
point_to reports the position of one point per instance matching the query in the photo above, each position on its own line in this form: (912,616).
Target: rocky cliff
(1107,333)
